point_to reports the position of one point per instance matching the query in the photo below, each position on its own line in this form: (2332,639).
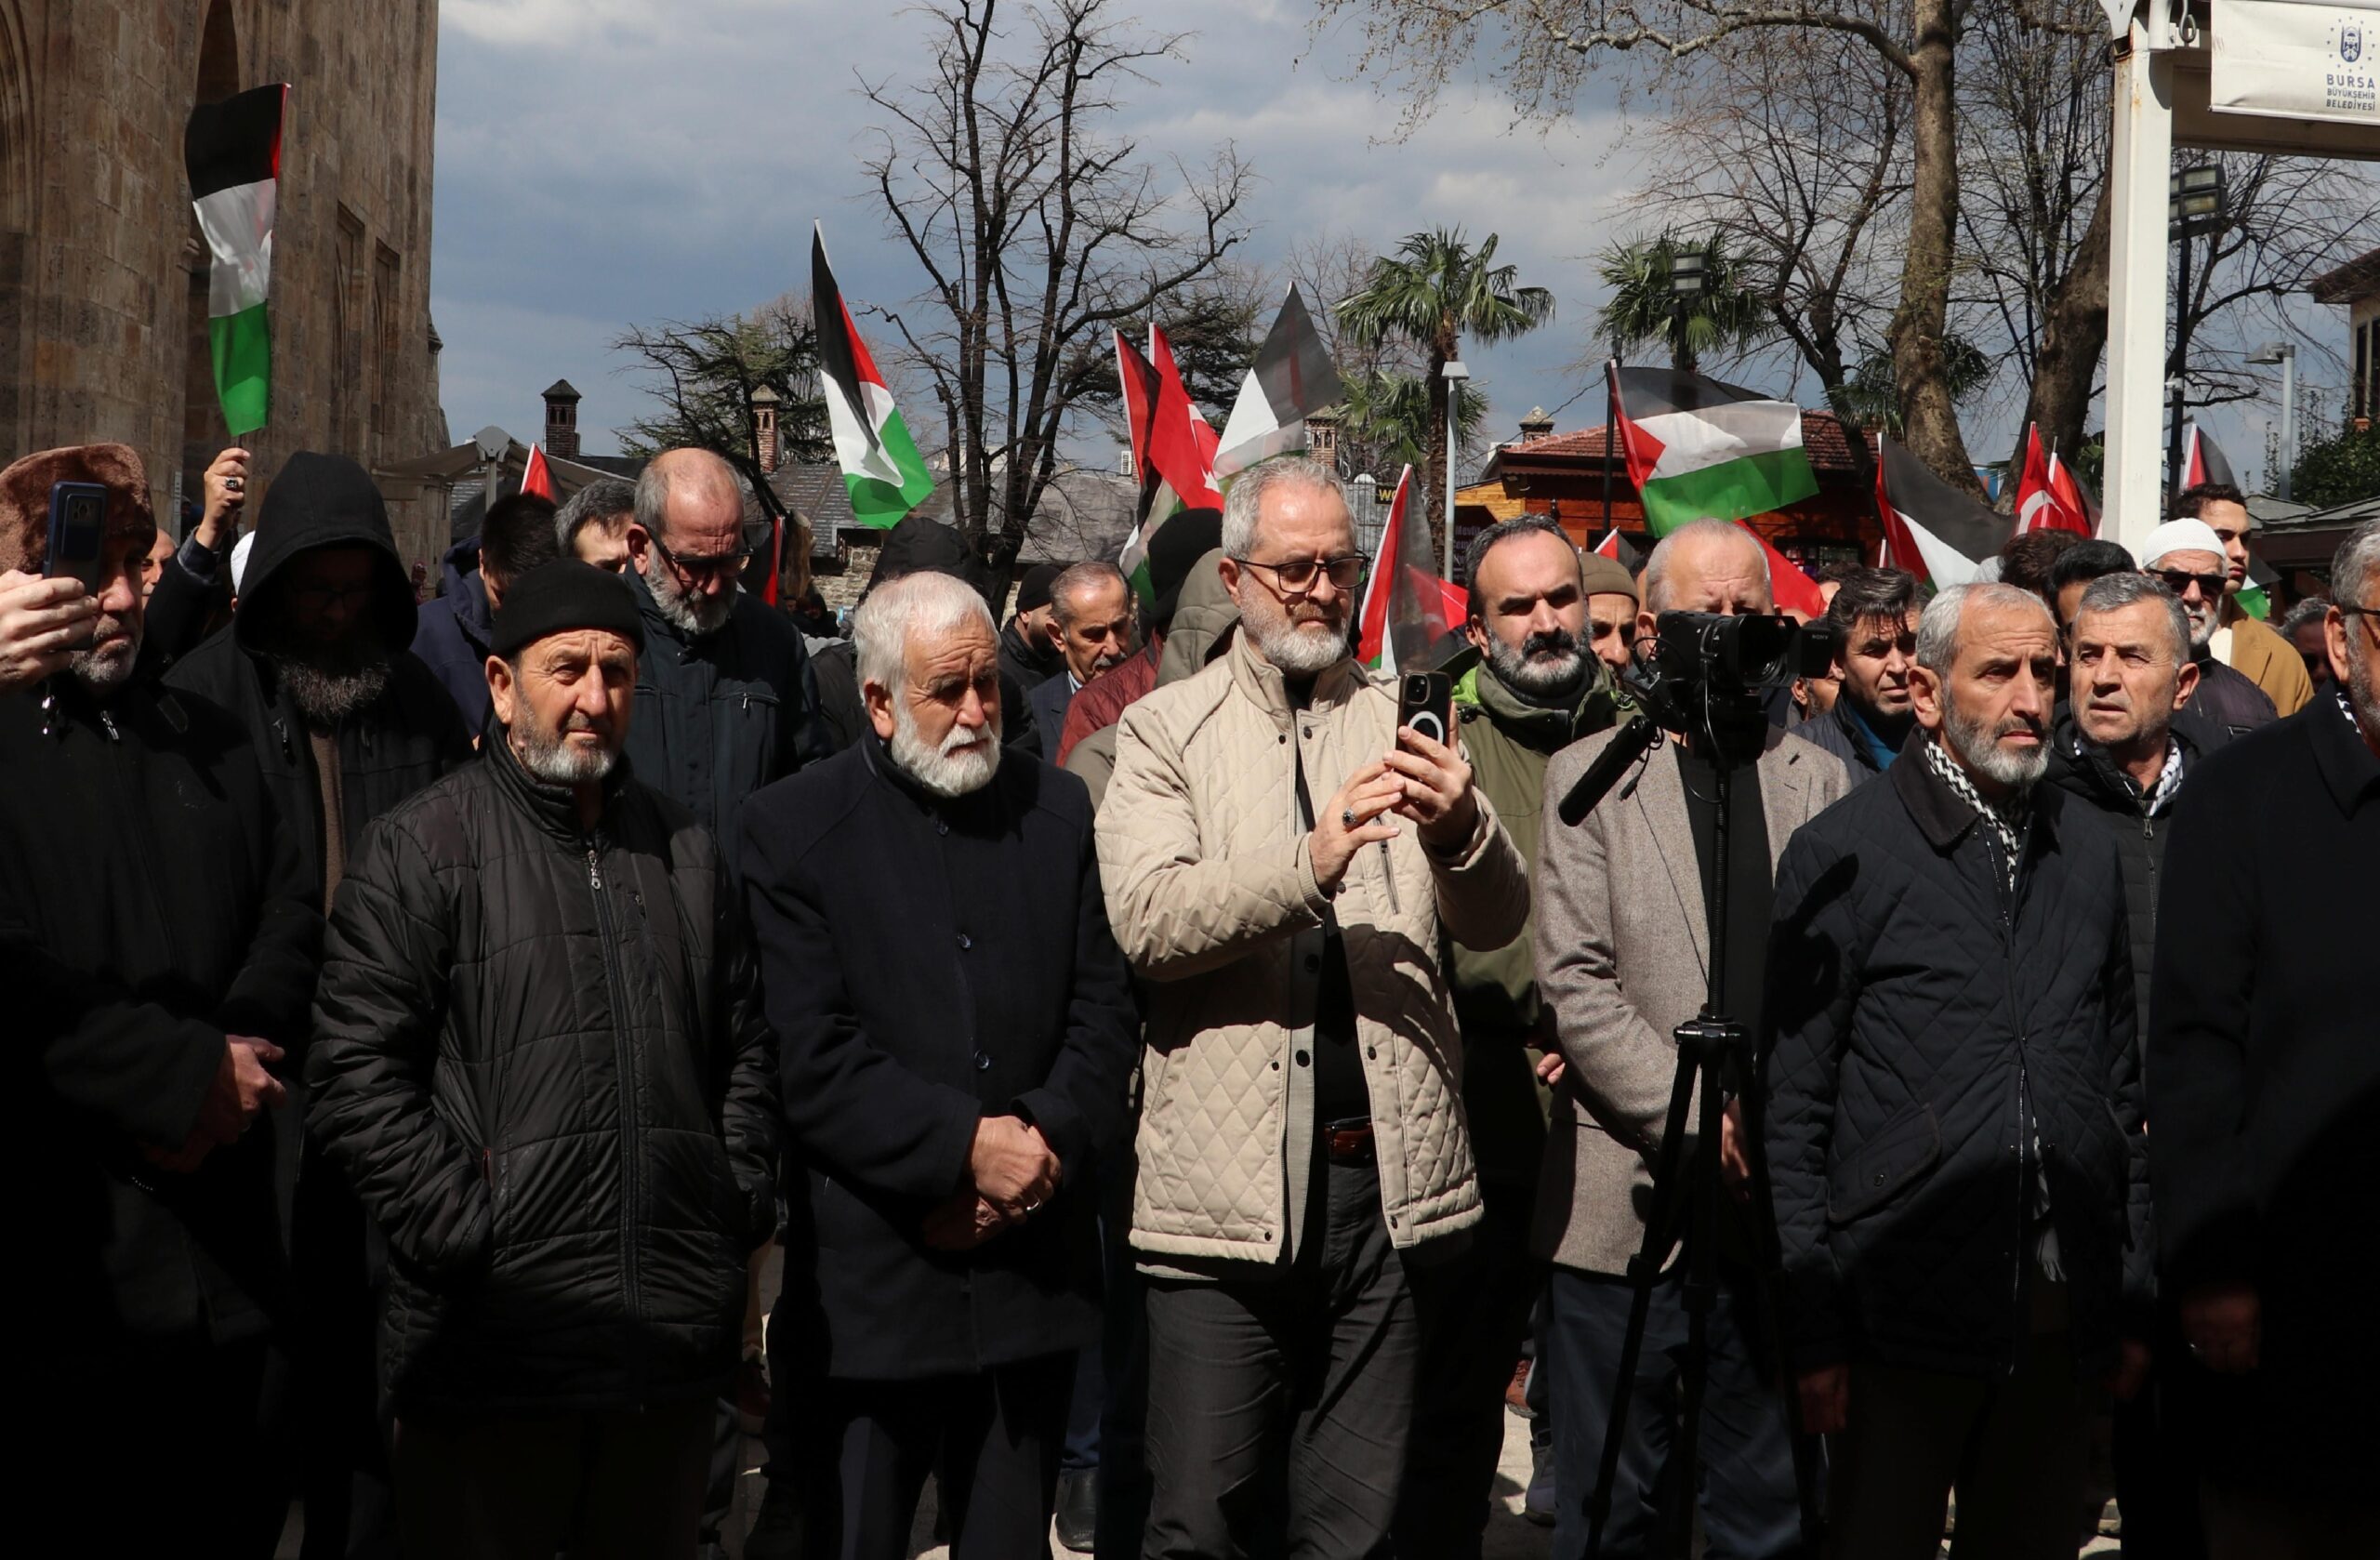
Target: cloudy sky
(602,162)
(609,162)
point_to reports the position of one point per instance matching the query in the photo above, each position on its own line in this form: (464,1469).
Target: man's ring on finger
(1346,817)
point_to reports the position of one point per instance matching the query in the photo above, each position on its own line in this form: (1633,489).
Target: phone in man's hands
(1425,702)
(78,526)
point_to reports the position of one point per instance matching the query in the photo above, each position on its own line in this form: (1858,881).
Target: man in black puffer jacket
(1954,1113)
(540,1058)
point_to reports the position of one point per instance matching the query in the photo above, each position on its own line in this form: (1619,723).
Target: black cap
(560,597)
(1032,591)
(1179,544)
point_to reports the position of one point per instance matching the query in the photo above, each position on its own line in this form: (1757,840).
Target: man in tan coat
(1280,861)
(1622,948)
(2253,649)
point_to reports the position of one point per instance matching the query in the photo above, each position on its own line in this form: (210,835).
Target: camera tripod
(1687,1188)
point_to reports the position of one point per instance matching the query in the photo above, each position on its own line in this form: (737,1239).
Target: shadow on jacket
(540,1060)
(451,632)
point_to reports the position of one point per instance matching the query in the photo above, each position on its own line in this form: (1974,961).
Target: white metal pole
(1454,390)
(2288,416)
(2143,151)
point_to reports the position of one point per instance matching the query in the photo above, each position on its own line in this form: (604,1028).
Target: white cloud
(607,162)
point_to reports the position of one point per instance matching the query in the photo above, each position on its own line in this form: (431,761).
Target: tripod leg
(1700,1291)
(1671,1177)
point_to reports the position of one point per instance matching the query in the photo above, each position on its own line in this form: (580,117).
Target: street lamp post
(2193,205)
(1454,374)
(2285,354)
(1687,284)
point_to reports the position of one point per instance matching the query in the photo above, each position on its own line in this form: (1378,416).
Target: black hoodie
(406,738)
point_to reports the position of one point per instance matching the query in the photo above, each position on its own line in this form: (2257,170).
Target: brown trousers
(626,1483)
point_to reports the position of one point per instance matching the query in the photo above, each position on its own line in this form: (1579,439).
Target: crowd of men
(1186,1100)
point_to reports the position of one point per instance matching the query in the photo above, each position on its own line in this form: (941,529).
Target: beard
(2203,621)
(964,762)
(107,664)
(1977,746)
(688,611)
(2362,685)
(1548,666)
(1290,642)
(331,683)
(553,758)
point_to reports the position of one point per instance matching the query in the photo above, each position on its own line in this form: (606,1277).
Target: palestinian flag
(1932,529)
(881,467)
(1620,550)
(1696,447)
(536,477)
(1409,616)
(1174,448)
(1292,379)
(232,151)
(2041,504)
(2201,462)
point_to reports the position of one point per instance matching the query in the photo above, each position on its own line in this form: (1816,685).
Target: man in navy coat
(957,1035)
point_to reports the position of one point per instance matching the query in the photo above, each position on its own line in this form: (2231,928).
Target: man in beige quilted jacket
(1280,861)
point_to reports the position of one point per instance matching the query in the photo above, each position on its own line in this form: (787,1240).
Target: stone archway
(218,77)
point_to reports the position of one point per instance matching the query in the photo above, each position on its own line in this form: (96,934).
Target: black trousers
(207,1477)
(1746,1497)
(1280,1408)
(624,1484)
(991,1441)
(1474,1323)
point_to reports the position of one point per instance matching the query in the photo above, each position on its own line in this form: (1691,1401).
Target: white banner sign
(2297,60)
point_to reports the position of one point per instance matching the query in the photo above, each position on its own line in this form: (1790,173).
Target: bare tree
(1040,230)
(1545,46)
(703,373)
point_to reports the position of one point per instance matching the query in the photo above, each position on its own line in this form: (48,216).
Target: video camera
(1707,677)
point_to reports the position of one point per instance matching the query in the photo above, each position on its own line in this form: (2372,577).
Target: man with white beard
(1954,1113)
(538,1057)
(957,1033)
(1281,861)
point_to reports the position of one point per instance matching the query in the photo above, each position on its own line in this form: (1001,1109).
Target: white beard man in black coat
(956,1031)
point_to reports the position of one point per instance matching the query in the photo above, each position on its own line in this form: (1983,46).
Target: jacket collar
(553,808)
(2351,769)
(1263,684)
(1547,728)
(978,811)
(2077,755)
(1942,816)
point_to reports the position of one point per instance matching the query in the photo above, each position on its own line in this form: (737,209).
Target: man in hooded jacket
(345,721)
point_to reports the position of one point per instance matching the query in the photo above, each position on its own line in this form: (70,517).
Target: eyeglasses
(703,567)
(2180,580)
(1297,577)
(323,598)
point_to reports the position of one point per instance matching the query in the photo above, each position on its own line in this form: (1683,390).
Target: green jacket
(1509,742)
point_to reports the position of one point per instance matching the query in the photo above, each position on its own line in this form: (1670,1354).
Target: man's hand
(243,1090)
(1012,1166)
(1735,1168)
(1826,1399)
(227,494)
(2225,1326)
(2132,1371)
(1350,821)
(43,622)
(1438,794)
(963,1222)
(1550,1069)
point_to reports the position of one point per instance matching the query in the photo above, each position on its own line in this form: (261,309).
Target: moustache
(2038,728)
(1554,641)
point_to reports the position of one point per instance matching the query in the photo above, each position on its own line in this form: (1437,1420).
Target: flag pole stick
(1610,426)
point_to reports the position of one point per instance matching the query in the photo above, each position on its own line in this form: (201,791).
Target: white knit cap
(239,559)
(2186,535)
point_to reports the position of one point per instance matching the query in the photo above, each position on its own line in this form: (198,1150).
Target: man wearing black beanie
(346,722)
(1028,645)
(539,1057)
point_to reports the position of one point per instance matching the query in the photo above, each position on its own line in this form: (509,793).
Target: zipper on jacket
(626,1061)
(2004,895)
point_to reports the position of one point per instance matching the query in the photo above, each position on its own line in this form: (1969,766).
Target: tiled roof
(1822,435)
(2358,278)
(815,491)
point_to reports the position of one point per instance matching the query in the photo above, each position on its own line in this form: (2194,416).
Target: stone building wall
(102,271)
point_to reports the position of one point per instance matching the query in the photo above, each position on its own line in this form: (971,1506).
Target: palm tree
(1871,398)
(1432,292)
(1386,421)
(1726,316)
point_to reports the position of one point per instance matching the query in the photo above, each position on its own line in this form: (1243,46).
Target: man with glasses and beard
(157,939)
(1282,862)
(346,723)
(946,1116)
(728,699)
(1539,688)
(539,1057)
(2188,557)
(1954,1125)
